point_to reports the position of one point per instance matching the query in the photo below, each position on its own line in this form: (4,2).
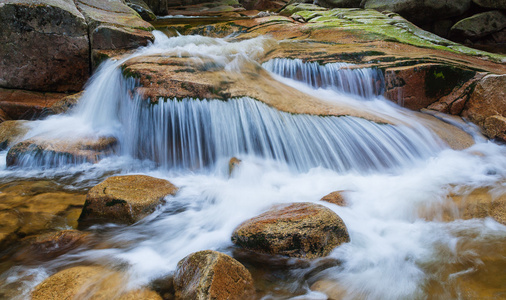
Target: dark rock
(420,12)
(43,45)
(298,230)
(495,4)
(339,3)
(124,199)
(478,25)
(212,275)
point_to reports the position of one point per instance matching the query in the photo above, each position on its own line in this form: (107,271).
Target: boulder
(124,199)
(41,151)
(212,275)
(271,5)
(336,198)
(142,9)
(494,4)
(26,105)
(478,26)
(11,132)
(420,12)
(303,230)
(486,106)
(43,45)
(88,282)
(114,25)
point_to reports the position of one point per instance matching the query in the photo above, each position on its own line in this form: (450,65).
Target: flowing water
(392,174)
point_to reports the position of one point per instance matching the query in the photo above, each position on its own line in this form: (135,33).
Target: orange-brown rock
(53,152)
(486,106)
(11,132)
(334,290)
(65,104)
(26,105)
(124,199)
(233,163)
(336,198)
(88,282)
(304,230)
(469,204)
(212,275)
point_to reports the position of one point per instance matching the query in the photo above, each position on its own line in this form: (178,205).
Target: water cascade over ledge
(393,175)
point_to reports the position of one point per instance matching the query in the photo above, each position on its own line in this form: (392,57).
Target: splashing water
(389,173)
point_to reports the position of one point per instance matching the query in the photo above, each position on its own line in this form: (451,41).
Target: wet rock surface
(50,151)
(303,230)
(212,275)
(124,199)
(11,132)
(88,282)
(26,105)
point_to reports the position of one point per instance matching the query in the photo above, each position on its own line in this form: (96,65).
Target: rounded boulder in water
(303,230)
(124,199)
(212,275)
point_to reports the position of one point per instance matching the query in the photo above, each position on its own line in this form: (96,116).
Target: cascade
(391,174)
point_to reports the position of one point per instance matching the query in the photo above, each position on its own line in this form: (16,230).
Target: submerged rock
(42,151)
(88,282)
(44,45)
(304,230)
(11,132)
(124,199)
(212,275)
(53,244)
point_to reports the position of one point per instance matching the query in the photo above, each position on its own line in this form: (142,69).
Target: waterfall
(191,133)
(342,77)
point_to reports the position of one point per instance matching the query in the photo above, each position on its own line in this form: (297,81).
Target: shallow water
(396,251)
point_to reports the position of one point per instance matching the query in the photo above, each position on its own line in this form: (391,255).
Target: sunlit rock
(336,198)
(88,282)
(124,199)
(65,104)
(304,230)
(11,132)
(233,163)
(486,106)
(212,275)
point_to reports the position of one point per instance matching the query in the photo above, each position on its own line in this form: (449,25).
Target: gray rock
(479,25)
(142,9)
(421,12)
(43,45)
